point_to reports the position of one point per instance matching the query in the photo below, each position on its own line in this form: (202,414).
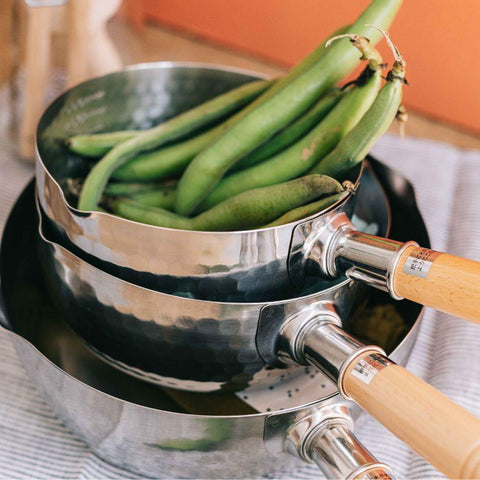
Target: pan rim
(259,305)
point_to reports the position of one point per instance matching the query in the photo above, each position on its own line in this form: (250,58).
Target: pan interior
(149,96)
(31,316)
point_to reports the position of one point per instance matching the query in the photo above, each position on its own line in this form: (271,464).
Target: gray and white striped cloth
(35,444)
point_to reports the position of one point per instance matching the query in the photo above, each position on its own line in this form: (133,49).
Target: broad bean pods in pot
(224,265)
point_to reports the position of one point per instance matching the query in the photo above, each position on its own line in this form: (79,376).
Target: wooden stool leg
(78,12)
(37,64)
(103,56)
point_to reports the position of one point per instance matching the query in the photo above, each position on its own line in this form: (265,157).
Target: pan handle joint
(324,436)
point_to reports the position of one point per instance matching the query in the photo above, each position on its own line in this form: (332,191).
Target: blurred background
(48,45)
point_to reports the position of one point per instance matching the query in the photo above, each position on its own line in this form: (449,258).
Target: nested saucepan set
(119,318)
(243,341)
(224,265)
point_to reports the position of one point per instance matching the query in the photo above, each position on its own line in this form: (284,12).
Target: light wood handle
(435,427)
(445,282)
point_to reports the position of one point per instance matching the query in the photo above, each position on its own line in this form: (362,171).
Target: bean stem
(354,147)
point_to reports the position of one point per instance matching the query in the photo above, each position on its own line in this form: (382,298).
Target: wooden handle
(445,282)
(435,427)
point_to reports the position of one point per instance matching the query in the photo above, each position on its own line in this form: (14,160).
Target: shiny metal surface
(181,342)
(230,266)
(251,266)
(325,345)
(325,437)
(169,340)
(294,327)
(364,257)
(127,421)
(317,245)
(340,455)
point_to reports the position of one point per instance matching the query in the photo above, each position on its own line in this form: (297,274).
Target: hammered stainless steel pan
(113,314)
(146,332)
(133,425)
(212,264)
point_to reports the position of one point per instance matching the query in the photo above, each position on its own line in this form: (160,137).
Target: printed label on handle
(368,367)
(419,262)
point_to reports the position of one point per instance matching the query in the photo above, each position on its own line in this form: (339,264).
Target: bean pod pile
(261,155)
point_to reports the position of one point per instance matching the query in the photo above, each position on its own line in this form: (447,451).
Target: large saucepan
(212,263)
(138,324)
(134,425)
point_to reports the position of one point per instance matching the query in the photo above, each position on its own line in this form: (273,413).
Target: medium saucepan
(145,332)
(242,261)
(116,316)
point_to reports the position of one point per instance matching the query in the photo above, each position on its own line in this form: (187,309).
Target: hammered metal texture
(182,342)
(225,266)
(170,340)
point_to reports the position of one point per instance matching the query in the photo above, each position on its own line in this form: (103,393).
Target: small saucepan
(215,263)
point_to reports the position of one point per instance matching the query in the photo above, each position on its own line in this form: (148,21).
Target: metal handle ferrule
(325,438)
(370,259)
(339,454)
(316,338)
(329,348)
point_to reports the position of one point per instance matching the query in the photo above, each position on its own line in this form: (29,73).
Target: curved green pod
(244,211)
(306,152)
(183,124)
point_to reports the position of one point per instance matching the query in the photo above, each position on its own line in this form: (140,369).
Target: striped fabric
(35,444)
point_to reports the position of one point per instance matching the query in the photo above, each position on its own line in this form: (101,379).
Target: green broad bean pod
(306,152)
(307,210)
(354,147)
(170,130)
(244,211)
(290,134)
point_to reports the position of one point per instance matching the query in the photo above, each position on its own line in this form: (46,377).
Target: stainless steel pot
(132,424)
(212,264)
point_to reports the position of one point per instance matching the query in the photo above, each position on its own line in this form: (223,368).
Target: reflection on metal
(323,435)
(226,266)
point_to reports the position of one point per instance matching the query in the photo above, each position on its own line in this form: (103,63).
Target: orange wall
(439,38)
